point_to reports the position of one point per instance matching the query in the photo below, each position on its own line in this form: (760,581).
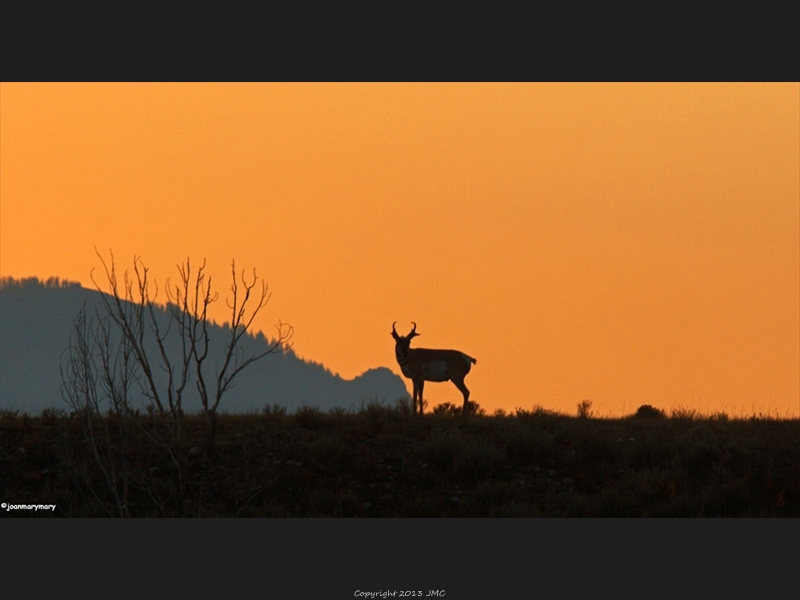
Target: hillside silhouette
(36,322)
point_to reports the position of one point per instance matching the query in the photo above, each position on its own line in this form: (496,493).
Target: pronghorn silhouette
(421,365)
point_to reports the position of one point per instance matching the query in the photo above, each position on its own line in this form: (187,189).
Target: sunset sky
(624,243)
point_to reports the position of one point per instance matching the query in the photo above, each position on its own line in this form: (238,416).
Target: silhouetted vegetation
(645,411)
(379,462)
(585,409)
(109,373)
(9,283)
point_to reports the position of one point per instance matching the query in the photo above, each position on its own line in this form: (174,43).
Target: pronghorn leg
(460,385)
(421,405)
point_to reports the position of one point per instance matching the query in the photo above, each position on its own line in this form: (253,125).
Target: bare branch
(126,346)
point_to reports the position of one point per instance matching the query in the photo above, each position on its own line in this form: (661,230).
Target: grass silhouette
(380,462)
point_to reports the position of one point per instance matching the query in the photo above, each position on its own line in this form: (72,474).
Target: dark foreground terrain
(382,462)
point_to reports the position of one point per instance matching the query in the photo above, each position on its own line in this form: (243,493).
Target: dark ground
(382,462)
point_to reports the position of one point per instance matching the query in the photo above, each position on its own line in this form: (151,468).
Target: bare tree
(133,350)
(98,377)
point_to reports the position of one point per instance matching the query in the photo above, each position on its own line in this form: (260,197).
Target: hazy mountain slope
(36,321)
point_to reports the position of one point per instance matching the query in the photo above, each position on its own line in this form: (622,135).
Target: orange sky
(624,243)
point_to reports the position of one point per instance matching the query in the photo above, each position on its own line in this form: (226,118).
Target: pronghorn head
(403,342)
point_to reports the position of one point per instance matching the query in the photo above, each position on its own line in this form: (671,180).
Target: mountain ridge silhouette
(37,319)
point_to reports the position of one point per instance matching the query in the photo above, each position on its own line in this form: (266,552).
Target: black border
(329,558)
(568,42)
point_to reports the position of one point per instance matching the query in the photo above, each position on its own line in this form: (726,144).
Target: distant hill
(36,321)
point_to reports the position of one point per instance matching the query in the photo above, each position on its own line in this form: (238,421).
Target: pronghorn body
(421,365)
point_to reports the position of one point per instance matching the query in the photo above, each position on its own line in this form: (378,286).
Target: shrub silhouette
(447,408)
(646,411)
(473,408)
(585,409)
